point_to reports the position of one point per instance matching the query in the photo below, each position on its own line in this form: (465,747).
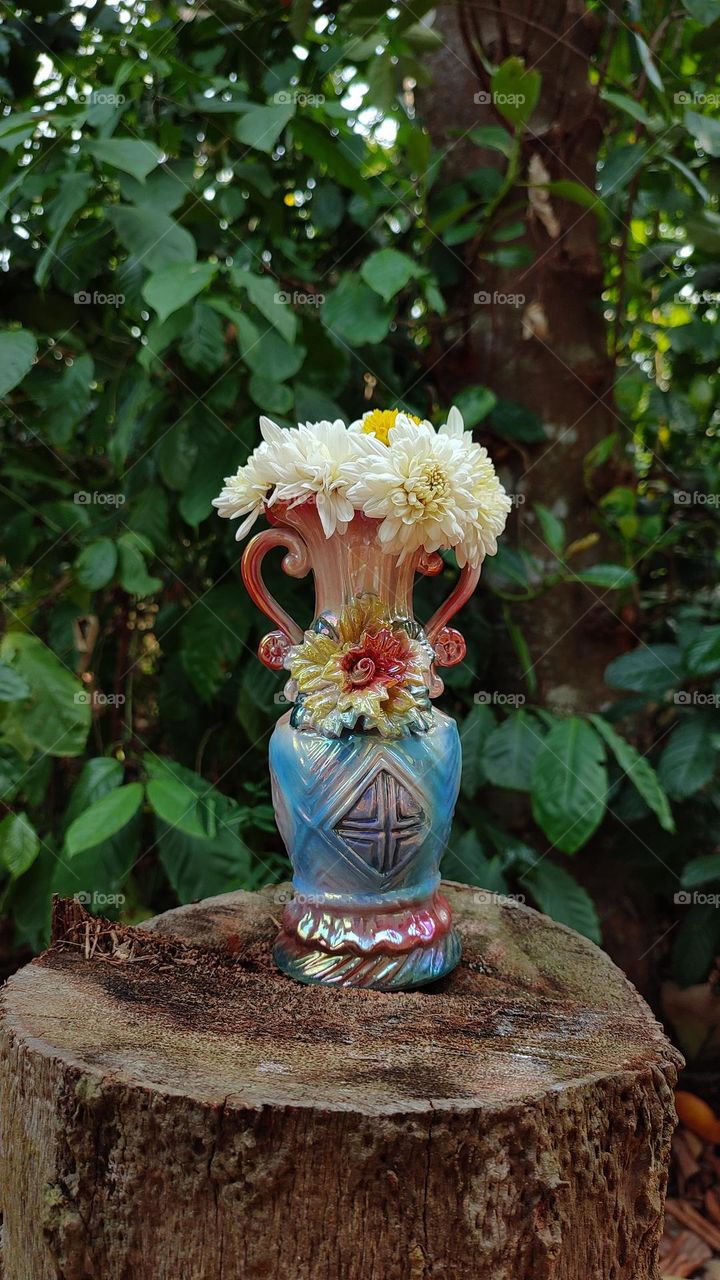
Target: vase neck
(350,564)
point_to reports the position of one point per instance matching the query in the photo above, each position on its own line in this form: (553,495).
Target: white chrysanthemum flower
(310,461)
(246,492)
(432,490)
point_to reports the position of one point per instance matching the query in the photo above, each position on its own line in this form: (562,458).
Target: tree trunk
(549,350)
(170,1105)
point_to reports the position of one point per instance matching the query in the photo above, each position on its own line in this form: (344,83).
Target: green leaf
(299,17)
(613,576)
(19,843)
(328,206)
(388,271)
(619,168)
(700,871)
(18,349)
(522,651)
(99,776)
(95,565)
(355,313)
(70,400)
(493,137)
(273,397)
(217,457)
(515,91)
(169,290)
(566,189)
(132,570)
(135,157)
(702,655)
(650,669)
(267,354)
(102,870)
(465,860)
(705,130)
(199,866)
(56,717)
(703,11)
(569,784)
(104,818)
(203,344)
(517,422)
(627,104)
(13,687)
(696,944)
(703,230)
(176,454)
(552,530)
(475,403)
(511,750)
(16,128)
(559,895)
(261,127)
(639,771)
(72,194)
(177,804)
(159,335)
(153,237)
(473,732)
(212,637)
(335,155)
(648,62)
(688,761)
(265,294)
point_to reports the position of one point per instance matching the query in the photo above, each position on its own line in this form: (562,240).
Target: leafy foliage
(213,213)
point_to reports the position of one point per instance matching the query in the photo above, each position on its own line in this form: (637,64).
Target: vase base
(382,971)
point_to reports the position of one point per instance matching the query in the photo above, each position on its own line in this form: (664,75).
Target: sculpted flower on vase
(364,671)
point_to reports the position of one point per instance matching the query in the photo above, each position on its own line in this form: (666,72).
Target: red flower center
(379,658)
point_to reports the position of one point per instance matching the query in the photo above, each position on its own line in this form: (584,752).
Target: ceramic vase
(364,812)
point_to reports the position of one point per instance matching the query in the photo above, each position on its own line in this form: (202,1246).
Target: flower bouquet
(365,772)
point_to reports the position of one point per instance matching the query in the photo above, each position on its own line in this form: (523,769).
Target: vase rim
(282,512)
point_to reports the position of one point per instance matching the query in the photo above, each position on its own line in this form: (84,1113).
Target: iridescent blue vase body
(365,822)
(365,772)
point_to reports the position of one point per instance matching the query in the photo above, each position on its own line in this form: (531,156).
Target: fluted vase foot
(399,971)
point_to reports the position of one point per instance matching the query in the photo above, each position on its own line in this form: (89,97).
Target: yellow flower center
(380,423)
(425,490)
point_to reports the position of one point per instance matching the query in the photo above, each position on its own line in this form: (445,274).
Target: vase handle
(449,644)
(296,562)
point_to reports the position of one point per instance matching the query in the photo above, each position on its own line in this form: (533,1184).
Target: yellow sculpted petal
(365,611)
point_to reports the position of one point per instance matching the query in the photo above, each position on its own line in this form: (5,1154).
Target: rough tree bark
(171,1106)
(549,353)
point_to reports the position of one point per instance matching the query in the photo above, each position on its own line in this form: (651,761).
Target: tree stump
(172,1108)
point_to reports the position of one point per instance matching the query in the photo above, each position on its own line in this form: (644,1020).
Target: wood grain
(172,1107)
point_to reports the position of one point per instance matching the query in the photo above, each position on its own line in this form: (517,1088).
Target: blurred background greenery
(310,209)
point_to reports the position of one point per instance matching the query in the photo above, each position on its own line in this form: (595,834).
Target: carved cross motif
(385,825)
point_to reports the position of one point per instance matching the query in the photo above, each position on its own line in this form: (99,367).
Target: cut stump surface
(173,1108)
